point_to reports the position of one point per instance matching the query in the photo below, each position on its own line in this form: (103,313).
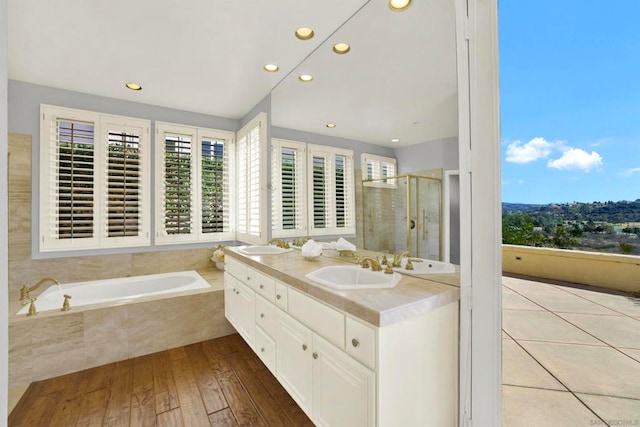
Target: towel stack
(311,249)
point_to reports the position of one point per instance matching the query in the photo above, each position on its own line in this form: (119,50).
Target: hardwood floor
(219,382)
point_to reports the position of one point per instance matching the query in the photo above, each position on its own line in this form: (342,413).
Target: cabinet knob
(278,296)
(355,342)
(304,347)
(248,277)
(262,315)
(234,290)
(262,349)
(261,286)
(315,355)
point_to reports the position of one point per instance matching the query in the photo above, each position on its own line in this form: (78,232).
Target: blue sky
(570,100)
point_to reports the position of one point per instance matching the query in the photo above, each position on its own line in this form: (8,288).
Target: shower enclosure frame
(410,203)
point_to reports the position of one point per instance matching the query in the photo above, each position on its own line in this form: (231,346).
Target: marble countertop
(380,307)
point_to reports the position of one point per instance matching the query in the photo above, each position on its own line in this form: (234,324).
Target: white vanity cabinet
(341,370)
(331,387)
(239,303)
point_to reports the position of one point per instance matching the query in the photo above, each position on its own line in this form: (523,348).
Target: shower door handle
(425,233)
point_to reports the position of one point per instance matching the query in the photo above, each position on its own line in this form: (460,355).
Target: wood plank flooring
(220,382)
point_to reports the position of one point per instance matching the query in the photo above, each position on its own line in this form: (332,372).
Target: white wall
(4,308)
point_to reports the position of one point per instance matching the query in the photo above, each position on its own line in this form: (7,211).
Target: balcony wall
(620,272)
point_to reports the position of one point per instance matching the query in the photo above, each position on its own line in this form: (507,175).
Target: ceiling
(206,56)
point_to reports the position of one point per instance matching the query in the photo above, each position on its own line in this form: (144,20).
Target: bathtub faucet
(24,291)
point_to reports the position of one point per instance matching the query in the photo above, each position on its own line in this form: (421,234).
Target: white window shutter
(288,192)
(251,181)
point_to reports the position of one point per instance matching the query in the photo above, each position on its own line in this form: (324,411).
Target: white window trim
(277,145)
(332,229)
(261,236)
(378,162)
(47,242)
(197,135)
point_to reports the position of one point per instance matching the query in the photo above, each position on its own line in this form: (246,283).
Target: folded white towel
(343,245)
(311,249)
(329,245)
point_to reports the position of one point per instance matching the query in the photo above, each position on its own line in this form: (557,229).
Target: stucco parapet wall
(612,271)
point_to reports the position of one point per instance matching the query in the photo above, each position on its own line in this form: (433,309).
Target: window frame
(378,163)
(102,123)
(332,227)
(197,135)
(277,145)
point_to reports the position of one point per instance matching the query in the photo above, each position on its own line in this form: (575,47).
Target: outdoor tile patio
(570,355)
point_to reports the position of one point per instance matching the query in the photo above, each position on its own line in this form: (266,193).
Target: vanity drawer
(262,284)
(266,350)
(325,321)
(281,296)
(236,269)
(361,342)
(266,316)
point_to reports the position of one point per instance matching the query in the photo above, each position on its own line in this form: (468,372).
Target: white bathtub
(121,289)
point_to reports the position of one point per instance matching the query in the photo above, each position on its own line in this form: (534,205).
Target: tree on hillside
(518,229)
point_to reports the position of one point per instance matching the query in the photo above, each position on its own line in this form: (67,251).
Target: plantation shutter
(94,180)
(124,184)
(288,204)
(251,181)
(332,203)
(176,148)
(215,179)
(73,199)
(379,169)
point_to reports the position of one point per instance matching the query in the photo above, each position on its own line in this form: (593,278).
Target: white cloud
(521,181)
(630,172)
(576,158)
(537,148)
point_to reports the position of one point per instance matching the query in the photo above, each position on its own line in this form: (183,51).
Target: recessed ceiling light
(341,48)
(331,125)
(399,5)
(395,140)
(305,78)
(272,68)
(304,33)
(133,86)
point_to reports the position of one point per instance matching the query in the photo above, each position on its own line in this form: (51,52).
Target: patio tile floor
(571,355)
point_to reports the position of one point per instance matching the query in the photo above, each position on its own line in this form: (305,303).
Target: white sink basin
(353,277)
(263,250)
(427,266)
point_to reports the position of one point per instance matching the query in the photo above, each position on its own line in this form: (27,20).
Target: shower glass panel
(403,213)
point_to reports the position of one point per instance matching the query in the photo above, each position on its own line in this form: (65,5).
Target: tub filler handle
(65,304)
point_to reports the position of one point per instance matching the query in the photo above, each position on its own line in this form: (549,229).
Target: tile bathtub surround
(50,345)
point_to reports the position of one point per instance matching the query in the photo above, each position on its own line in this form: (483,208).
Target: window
(288,189)
(378,169)
(194,184)
(94,180)
(331,187)
(251,181)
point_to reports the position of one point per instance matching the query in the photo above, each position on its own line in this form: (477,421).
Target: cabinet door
(294,362)
(240,308)
(343,389)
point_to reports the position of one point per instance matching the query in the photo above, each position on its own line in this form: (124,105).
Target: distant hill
(610,212)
